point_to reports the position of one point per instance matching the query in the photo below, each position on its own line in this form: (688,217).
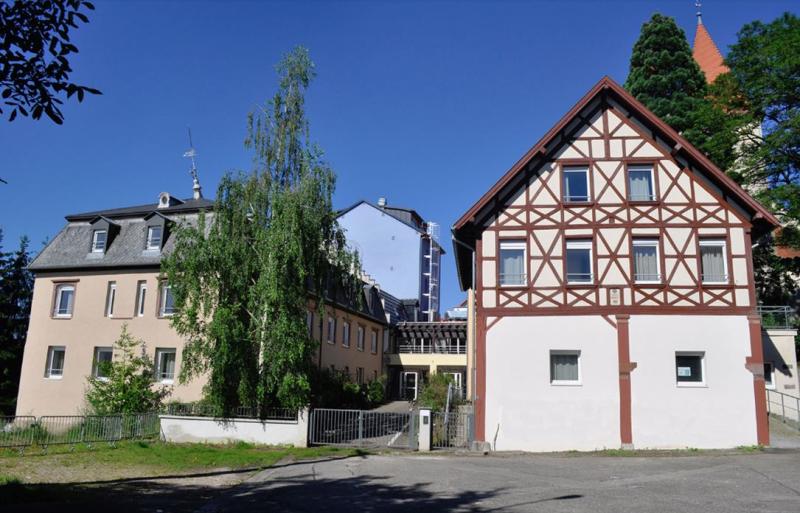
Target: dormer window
(99,239)
(154,238)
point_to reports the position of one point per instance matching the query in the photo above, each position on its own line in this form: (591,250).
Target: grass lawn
(87,474)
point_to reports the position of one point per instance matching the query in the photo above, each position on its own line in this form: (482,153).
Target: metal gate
(451,430)
(362,428)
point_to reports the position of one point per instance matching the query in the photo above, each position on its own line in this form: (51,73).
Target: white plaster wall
(718,415)
(210,430)
(524,411)
(779,349)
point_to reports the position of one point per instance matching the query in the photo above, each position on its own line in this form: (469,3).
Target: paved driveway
(758,482)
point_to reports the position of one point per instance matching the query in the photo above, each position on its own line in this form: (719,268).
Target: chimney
(197,191)
(382,202)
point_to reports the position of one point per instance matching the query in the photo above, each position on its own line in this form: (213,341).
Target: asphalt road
(708,482)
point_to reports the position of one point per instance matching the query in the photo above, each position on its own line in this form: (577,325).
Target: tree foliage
(765,67)
(242,276)
(16,291)
(35,49)
(663,74)
(433,393)
(128,384)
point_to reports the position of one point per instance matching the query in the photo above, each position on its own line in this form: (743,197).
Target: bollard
(425,428)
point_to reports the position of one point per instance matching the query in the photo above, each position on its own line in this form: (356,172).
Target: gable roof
(468,226)
(680,145)
(707,55)
(407,216)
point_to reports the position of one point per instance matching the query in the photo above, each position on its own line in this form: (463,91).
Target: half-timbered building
(614,301)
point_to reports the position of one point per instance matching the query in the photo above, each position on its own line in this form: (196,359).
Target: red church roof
(707,55)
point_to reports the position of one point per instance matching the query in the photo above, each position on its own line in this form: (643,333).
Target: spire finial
(698,4)
(197,191)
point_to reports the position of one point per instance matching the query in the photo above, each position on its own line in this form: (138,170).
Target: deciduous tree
(242,277)
(16,290)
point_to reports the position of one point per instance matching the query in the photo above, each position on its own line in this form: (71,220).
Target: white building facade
(614,298)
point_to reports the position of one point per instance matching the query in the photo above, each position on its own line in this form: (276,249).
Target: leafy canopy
(128,384)
(34,56)
(243,275)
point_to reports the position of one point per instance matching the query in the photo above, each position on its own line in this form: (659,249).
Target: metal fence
(362,428)
(784,407)
(778,317)
(451,430)
(21,432)
(241,412)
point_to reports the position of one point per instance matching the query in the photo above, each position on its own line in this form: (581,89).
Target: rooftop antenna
(698,4)
(197,191)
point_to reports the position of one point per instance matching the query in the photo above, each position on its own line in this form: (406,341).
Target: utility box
(425,429)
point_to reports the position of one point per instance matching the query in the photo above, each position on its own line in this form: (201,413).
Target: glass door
(408,385)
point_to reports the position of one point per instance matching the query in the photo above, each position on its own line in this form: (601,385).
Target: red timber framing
(607,132)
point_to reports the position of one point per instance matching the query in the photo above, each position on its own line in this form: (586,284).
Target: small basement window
(99,239)
(565,368)
(690,369)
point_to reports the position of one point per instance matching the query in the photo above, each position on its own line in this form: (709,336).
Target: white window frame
(691,384)
(48,371)
(331,335)
(642,167)
(141,298)
(162,306)
(565,382)
(60,287)
(373,342)
(513,244)
(96,361)
(576,169)
(654,243)
(715,243)
(111,296)
(360,339)
(149,244)
(95,248)
(346,334)
(579,244)
(769,384)
(160,351)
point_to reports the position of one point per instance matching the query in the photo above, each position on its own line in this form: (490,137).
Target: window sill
(688,384)
(589,285)
(566,383)
(346,346)
(654,202)
(61,317)
(54,378)
(508,286)
(571,203)
(331,342)
(167,381)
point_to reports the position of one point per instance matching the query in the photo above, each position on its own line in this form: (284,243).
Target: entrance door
(408,385)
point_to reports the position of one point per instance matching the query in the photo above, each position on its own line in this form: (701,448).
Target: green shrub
(433,393)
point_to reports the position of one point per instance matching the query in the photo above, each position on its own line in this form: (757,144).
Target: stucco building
(614,301)
(102,270)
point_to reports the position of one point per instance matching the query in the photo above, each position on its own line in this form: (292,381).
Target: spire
(698,4)
(705,51)
(197,191)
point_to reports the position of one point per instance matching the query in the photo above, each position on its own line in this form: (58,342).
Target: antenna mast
(197,192)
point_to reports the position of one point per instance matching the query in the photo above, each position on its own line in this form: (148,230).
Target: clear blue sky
(427,104)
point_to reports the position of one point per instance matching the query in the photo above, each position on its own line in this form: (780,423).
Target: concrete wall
(779,349)
(389,249)
(719,414)
(524,411)
(210,430)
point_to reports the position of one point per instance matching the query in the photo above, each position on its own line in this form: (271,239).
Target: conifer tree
(663,74)
(16,290)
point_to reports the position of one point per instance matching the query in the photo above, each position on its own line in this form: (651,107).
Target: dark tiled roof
(188,205)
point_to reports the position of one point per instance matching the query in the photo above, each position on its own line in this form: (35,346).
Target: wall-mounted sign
(684,372)
(614,297)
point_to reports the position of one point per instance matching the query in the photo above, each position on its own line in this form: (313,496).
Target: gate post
(425,427)
(360,426)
